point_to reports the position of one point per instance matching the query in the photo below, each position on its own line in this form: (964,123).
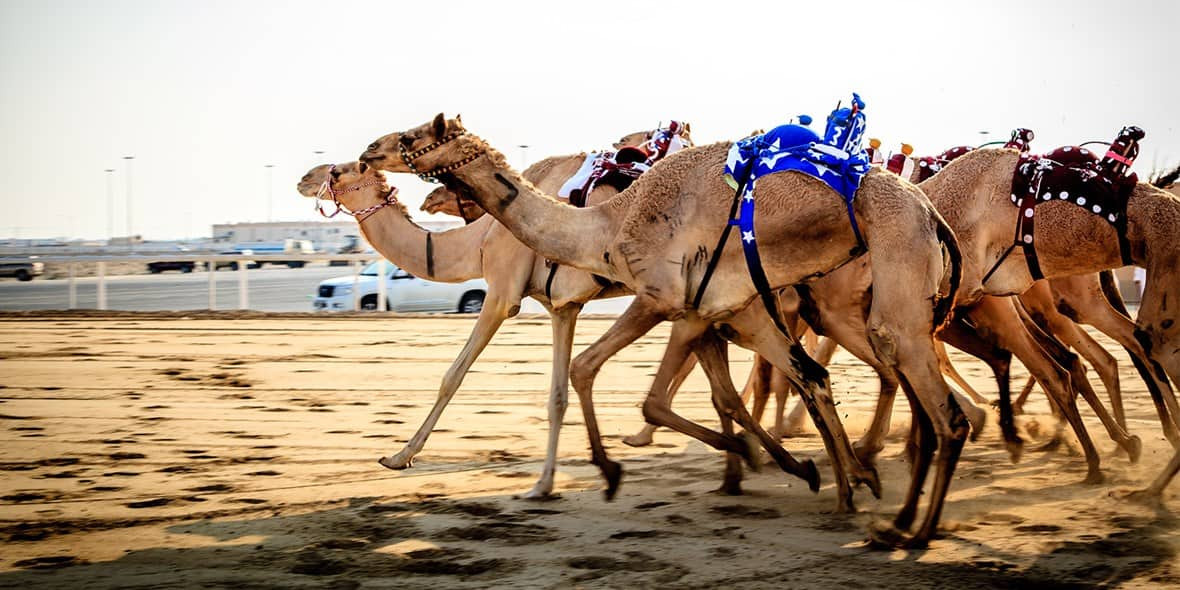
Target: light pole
(130,209)
(270,199)
(110,172)
(524,155)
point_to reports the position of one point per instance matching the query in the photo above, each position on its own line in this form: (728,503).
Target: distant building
(325,235)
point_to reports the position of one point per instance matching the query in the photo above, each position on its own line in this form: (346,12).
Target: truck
(288,246)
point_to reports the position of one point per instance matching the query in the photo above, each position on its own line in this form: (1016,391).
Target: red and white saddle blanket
(621,168)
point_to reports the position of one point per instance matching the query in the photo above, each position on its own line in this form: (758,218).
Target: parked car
(404,292)
(162,265)
(23,271)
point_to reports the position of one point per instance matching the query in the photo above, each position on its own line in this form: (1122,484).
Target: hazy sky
(205,93)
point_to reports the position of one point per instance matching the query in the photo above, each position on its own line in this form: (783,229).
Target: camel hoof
(1015,450)
(612,471)
(810,475)
(1094,477)
(396,463)
(639,439)
(1134,448)
(731,487)
(868,476)
(1053,444)
(885,536)
(539,494)
(1144,497)
(845,506)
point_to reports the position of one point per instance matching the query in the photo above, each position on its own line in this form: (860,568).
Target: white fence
(210,261)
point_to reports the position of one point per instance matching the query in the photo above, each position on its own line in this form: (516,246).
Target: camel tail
(1110,289)
(1167,179)
(946,304)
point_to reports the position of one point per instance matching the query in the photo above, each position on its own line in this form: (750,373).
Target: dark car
(23,271)
(163,265)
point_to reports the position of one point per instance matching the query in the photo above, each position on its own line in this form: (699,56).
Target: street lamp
(270,201)
(110,172)
(524,155)
(129,159)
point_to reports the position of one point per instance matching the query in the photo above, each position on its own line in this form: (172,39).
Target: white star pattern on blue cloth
(747,236)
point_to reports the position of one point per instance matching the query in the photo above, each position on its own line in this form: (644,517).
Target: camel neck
(577,237)
(448,256)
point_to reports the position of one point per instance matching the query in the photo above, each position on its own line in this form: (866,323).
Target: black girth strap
(429,256)
(729,225)
(549,281)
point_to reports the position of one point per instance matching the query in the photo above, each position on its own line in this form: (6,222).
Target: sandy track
(239,451)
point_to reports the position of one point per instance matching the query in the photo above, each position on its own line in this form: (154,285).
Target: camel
(656,237)
(971,192)
(1057,306)
(481,248)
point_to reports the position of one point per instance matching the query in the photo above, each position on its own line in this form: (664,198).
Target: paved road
(270,289)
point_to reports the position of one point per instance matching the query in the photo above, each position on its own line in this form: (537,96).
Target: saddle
(839,160)
(930,165)
(620,169)
(1074,174)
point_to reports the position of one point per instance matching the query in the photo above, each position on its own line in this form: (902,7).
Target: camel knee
(885,344)
(582,372)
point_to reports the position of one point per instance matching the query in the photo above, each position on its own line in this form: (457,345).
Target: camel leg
(657,408)
(644,436)
(997,318)
(920,447)
(564,322)
(948,368)
(1099,312)
(1022,397)
(781,389)
(751,330)
(714,356)
(1059,352)
(639,318)
(1038,303)
(758,386)
(901,335)
(495,311)
(967,339)
(1157,331)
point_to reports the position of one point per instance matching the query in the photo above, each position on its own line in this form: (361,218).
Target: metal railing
(243,269)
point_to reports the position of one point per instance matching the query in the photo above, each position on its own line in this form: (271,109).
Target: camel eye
(406,140)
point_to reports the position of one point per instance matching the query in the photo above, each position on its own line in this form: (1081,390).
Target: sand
(239,451)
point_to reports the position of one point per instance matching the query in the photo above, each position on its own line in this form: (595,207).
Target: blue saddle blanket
(839,158)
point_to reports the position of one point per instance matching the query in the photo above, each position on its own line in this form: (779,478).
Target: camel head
(355,185)
(427,148)
(445,201)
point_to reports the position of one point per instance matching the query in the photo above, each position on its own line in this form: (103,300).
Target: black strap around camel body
(753,265)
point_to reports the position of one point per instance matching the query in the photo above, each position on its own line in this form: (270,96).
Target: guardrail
(242,271)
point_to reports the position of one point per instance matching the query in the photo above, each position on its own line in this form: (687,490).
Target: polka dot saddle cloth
(1077,175)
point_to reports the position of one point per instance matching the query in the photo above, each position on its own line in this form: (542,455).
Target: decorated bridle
(361,215)
(431,176)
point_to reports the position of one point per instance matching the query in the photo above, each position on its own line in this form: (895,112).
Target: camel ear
(440,126)
(688,128)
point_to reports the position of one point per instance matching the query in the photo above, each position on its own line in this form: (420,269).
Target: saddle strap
(729,225)
(754,260)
